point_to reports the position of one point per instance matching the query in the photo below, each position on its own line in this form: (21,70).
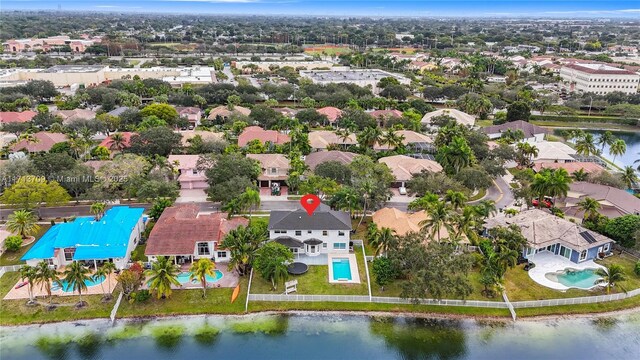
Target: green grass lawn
(316,281)
(583,125)
(361,232)
(627,262)
(189,302)
(481,193)
(484,123)
(13,258)
(138,253)
(16,312)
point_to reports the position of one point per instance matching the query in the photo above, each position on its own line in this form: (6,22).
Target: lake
(326,336)
(633,146)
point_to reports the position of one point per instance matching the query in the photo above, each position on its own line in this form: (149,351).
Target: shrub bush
(13,243)
(637,268)
(141,296)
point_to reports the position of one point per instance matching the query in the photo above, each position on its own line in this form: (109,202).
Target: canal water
(327,337)
(633,146)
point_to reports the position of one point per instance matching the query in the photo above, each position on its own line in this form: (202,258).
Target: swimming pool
(341,269)
(66,287)
(183,277)
(572,278)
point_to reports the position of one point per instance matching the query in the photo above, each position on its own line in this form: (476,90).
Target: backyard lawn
(316,281)
(13,258)
(16,312)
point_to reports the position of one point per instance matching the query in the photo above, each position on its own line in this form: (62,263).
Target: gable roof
(205,135)
(184,162)
(528,129)
(571,167)
(542,229)
(403,167)
(321,139)
(322,219)
(45,140)
(267,161)
(75,114)
(108,142)
(107,238)
(554,150)
(459,116)
(15,116)
(386,113)
(332,113)
(257,133)
(179,228)
(316,158)
(403,223)
(614,202)
(223,111)
(409,137)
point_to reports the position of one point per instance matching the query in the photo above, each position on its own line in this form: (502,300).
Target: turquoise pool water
(66,287)
(183,277)
(341,269)
(582,279)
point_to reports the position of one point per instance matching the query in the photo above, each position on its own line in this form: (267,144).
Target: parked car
(546,202)
(402,190)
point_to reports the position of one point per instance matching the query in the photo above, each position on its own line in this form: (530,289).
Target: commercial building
(599,79)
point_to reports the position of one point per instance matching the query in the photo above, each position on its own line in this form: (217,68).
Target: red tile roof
(45,140)
(332,113)
(588,167)
(107,142)
(180,228)
(14,116)
(256,132)
(599,71)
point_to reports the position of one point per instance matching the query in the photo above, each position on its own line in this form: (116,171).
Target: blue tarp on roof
(104,239)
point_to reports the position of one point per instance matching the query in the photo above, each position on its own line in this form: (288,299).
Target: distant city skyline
(377,8)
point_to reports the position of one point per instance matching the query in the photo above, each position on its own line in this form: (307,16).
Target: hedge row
(586,119)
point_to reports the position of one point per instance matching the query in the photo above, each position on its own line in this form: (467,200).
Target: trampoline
(297,268)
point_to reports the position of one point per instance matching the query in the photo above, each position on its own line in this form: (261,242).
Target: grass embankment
(16,312)
(13,257)
(583,125)
(316,281)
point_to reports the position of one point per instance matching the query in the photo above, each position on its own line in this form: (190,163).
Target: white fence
(6,269)
(309,298)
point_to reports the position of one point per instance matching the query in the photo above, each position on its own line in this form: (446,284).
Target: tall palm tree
(101,272)
(610,275)
(585,145)
(242,244)
(200,270)
(629,176)
(163,274)
(590,206)
(559,183)
(118,142)
(108,269)
(424,202)
(45,276)
(369,137)
(381,240)
(249,199)
(606,138)
(618,148)
(457,199)
(439,217)
(75,275)
(487,208)
(23,222)
(391,138)
(580,175)
(30,274)
(455,155)
(638,162)
(98,209)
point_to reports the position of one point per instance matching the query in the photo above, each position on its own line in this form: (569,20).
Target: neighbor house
(332,113)
(460,117)
(316,158)
(403,223)
(327,231)
(110,238)
(532,133)
(546,232)
(382,116)
(274,169)
(554,152)
(185,235)
(404,167)
(117,147)
(69,116)
(41,142)
(613,201)
(16,116)
(190,176)
(190,113)
(412,140)
(570,167)
(265,136)
(187,135)
(322,139)
(223,113)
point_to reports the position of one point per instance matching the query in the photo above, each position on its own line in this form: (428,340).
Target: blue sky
(423,8)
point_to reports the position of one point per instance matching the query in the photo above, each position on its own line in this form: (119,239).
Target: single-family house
(286,112)
(554,152)
(275,170)
(190,113)
(6,138)
(190,176)
(184,234)
(265,136)
(321,139)
(41,142)
(546,232)
(327,231)
(613,201)
(532,133)
(187,135)
(382,116)
(460,117)
(69,116)
(222,112)
(118,111)
(403,223)
(316,158)
(412,140)
(570,167)
(110,238)
(117,146)
(16,116)
(404,167)
(332,113)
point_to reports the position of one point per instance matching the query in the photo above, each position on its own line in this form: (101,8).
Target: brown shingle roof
(614,202)
(180,228)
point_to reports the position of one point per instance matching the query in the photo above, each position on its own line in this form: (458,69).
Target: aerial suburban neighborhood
(218,172)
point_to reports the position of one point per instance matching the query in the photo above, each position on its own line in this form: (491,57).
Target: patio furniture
(291,286)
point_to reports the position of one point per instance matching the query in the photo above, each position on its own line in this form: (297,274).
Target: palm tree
(249,199)
(506,258)
(440,216)
(580,175)
(369,137)
(45,276)
(610,275)
(242,244)
(97,276)
(98,209)
(487,208)
(638,162)
(232,207)
(511,212)
(424,202)
(629,176)
(118,142)
(76,275)
(606,138)
(200,270)
(559,183)
(23,222)
(381,240)
(456,198)
(585,145)
(618,148)
(455,155)
(108,268)
(30,274)
(590,206)
(392,139)
(163,274)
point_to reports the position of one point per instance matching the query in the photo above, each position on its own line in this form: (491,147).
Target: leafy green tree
(162,275)
(371,180)
(75,275)
(610,276)
(519,110)
(334,170)
(383,271)
(200,270)
(243,244)
(31,192)
(164,112)
(98,209)
(622,229)
(150,122)
(272,262)
(320,186)
(23,222)
(437,183)
(155,141)
(474,177)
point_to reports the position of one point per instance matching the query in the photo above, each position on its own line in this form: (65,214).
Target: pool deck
(39,291)
(547,262)
(229,279)
(353,264)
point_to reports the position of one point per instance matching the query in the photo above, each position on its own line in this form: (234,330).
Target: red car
(545,203)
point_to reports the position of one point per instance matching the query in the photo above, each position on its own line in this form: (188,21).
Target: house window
(606,247)
(325,233)
(340,233)
(279,231)
(203,248)
(309,231)
(324,245)
(68,254)
(339,246)
(298,232)
(222,254)
(273,170)
(194,171)
(583,255)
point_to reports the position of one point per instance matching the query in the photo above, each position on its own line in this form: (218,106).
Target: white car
(402,190)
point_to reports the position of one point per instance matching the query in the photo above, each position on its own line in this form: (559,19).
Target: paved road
(500,192)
